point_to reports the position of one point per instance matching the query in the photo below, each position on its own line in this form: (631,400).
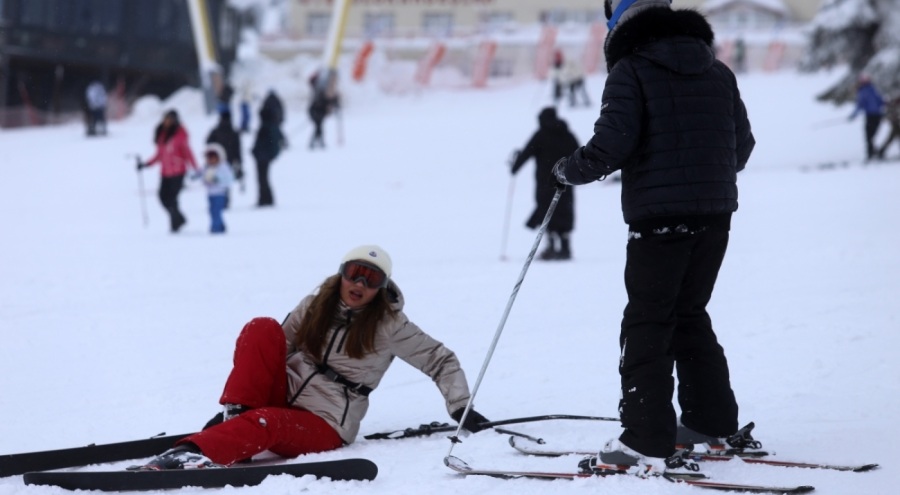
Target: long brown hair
(321,314)
(167,132)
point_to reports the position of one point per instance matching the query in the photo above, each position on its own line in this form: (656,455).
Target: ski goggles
(370,275)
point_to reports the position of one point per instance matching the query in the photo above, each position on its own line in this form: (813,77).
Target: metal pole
(211,75)
(512,297)
(509,201)
(143,200)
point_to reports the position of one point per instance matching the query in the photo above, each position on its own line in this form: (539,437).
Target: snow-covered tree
(864,35)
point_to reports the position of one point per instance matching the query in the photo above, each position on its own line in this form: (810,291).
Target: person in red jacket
(173,152)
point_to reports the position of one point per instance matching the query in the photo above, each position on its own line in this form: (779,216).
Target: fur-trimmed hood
(669,31)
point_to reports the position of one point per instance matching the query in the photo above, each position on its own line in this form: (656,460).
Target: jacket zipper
(340,346)
(316,372)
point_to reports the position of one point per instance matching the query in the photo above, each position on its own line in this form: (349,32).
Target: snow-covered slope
(114,331)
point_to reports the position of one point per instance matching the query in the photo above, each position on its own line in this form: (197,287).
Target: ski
(16,464)
(856,468)
(438,427)
(693,479)
(337,470)
(756,457)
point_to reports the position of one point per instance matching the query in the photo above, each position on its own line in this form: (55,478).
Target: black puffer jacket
(671,120)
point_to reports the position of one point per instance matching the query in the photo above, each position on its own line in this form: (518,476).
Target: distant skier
(217,177)
(96,99)
(268,145)
(869,102)
(552,141)
(225,135)
(223,99)
(557,75)
(739,59)
(573,78)
(893,118)
(246,97)
(325,101)
(174,154)
(272,107)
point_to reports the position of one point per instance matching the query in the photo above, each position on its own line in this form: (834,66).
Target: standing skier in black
(549,143)
(325,100)
(269,143)
(673,122)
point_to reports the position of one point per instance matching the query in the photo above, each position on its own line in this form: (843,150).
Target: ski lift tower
(333,46)
(211,77)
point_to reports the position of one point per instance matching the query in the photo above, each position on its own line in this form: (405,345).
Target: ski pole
(830,123)
(506,218)
(438,427)
(143,200)
(504,431)
(339,118)
(512,297)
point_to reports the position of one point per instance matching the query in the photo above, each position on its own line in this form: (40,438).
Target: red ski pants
(259,380)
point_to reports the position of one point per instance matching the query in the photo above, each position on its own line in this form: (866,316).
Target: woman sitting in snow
(303,386)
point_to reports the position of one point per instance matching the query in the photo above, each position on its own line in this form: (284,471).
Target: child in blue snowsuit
(870,102)
(217,177)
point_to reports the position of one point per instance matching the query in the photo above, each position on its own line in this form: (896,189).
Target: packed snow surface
(114,330)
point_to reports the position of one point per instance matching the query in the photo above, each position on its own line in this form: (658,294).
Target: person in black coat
(550,142)
(673,122)
(325,101)
(225,135)
(269,143)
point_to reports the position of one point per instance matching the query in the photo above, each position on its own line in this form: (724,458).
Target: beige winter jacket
(344,408)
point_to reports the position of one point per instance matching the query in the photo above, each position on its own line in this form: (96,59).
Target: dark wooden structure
(50,50)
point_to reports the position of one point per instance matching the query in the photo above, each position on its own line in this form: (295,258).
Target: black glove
(473,419)
(513,157)
(559,175)
(140,165)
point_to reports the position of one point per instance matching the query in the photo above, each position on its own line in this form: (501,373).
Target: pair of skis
(693,479)
(238,475)
(35,467)
(33,464)
(750,457)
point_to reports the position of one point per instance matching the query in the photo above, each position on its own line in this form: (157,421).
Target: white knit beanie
(371,254)
(217,149)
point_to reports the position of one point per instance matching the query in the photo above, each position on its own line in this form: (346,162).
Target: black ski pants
(262,177)
(169,188)
(318,139)
(670,278)
(873,122)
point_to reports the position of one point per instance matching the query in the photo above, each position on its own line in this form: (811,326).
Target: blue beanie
(615,9)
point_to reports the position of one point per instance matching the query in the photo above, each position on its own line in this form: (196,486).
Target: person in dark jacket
(269,143)
(272,107)
(325,101)
(869,102)
(552,141)
(674,124)
(225,135)
(893,117)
